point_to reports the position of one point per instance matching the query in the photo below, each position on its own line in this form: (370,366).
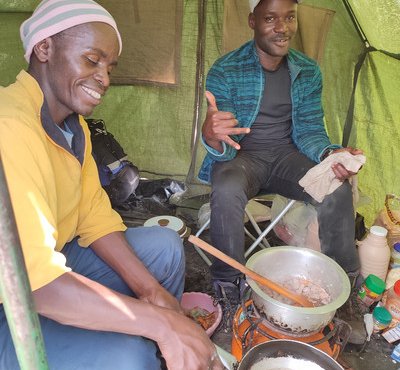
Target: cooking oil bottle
(374,253)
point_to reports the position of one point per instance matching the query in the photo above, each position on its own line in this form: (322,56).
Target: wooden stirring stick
(301,300)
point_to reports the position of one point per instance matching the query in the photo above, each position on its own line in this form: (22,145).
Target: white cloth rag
(320,180)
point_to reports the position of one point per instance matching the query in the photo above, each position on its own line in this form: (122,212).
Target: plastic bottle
(374,253)
(395,256)
(392,303)
(371,290)
(382,318)
(392,276)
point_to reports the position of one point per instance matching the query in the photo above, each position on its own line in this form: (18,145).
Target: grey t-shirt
(273,125)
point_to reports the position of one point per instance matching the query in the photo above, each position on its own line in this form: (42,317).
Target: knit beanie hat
(53,16)
(254,3)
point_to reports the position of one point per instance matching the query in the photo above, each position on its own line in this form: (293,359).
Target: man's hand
(339,170)
(183,343)
(161,297)
(219,125)
(187,346)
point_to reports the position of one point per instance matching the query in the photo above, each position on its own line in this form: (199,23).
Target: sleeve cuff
(212,151)
(332,147)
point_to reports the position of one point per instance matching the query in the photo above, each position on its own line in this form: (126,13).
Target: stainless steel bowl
(279,264)
(289,349)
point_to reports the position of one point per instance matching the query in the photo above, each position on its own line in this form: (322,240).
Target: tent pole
(356,23)
(199,85)
(15,290)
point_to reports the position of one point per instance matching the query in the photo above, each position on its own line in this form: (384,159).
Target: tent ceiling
(380,23)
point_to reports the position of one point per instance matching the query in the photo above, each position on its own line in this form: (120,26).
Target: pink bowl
(205,301)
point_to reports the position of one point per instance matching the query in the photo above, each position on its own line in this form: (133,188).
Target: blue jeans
(67,347)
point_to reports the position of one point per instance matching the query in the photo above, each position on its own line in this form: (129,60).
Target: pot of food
(286,354)
(303,271)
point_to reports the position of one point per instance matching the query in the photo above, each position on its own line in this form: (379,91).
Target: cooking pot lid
(170,222)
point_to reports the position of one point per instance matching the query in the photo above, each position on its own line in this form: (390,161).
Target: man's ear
(43,48)
(252,20)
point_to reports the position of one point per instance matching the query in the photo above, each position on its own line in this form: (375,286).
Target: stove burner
(279,328)
(249,329)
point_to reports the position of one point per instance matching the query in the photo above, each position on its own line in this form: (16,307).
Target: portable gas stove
(250,329)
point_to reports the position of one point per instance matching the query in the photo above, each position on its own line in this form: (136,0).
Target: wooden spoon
(301,300)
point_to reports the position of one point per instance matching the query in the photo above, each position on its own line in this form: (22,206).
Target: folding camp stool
(259,241)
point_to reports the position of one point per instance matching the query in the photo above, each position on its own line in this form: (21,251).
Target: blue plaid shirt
(237,82)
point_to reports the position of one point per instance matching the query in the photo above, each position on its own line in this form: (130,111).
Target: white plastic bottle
(374,253)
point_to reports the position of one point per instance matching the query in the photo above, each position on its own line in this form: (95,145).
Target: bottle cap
(378,230)
(382,315)
(396,287)
(396,247)
(376,284)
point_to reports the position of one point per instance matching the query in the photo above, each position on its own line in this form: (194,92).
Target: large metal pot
(291,350)
(281,263)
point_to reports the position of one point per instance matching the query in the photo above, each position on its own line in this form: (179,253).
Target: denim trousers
(236,181)
(71,348)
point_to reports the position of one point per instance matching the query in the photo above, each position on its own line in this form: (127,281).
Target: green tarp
(155,124)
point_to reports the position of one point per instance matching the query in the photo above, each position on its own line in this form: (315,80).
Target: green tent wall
(155,124)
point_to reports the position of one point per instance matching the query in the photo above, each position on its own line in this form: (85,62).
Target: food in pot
(285,363)
(317,295)
(203,317)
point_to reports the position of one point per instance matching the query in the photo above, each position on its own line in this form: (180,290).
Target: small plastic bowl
(205,301)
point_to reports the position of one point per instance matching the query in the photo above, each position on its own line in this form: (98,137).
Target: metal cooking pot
(290,349)
(281,263)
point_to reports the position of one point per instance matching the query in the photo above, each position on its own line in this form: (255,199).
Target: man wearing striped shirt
(263,131)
